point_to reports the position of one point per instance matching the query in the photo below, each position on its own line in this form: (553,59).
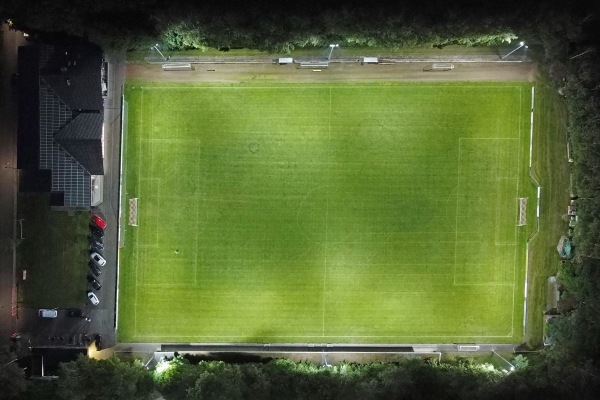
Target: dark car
(93,238)
(75,313)
(95,284)
(96,231)
(94,268)
(98,340)
(96,245)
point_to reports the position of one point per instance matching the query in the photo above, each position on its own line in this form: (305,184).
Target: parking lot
(73,331)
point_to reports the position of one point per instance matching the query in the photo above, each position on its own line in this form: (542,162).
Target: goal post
(522,211)
(133,211)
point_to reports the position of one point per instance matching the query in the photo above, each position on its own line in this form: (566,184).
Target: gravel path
(337,72)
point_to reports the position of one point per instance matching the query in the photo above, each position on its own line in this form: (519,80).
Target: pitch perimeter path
(337,72)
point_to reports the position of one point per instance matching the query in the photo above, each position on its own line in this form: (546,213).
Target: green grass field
(356,213)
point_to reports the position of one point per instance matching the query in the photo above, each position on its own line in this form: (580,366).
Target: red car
(99,221)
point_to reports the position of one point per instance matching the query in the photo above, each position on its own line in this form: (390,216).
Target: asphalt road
(104,320)
(9,43)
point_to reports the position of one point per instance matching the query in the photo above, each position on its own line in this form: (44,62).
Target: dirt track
(346,72)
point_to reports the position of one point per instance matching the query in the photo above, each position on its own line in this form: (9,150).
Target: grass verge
(550,167)
(54,253)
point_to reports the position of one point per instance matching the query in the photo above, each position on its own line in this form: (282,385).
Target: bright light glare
(521,43)
(162,367)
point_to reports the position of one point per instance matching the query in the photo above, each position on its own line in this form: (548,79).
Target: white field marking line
(500,284)
(324,86)
(519,151)
(379,86)
(326,217)
(458,195)
(197,215)
(490,138)
(330,336)
(173,141)
(531,126)
(456,217)
(137,232)
(166,285)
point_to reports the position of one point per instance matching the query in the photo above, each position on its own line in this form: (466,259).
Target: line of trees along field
(565,38)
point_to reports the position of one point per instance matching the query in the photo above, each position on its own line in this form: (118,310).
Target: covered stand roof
(71,119)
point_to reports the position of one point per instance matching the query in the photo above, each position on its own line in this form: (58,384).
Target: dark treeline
(277,26)
(179,379)
(565,37)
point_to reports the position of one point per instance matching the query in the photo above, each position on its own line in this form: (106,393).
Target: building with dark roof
(60,122)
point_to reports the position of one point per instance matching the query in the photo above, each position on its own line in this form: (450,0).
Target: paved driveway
(9,43)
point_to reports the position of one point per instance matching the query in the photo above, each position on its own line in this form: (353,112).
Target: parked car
(95,241)
(94,282)
(92,237)
(46,313)
(98,221)
(96,246)
(75,313)
(95,269)
(93,298)
(97,232)
(97,258)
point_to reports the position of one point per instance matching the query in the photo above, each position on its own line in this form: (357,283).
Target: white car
(93,298)
(45,313)
(98,259)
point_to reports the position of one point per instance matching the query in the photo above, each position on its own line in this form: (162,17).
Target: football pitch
(325,213)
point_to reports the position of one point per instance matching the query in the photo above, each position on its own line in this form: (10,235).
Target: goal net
(133,211)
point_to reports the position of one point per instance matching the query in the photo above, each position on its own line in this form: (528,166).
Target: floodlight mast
(155,47)
(521,44)
(512,367)
(332,46)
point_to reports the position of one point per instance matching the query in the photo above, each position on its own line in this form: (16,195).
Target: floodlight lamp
(521,43)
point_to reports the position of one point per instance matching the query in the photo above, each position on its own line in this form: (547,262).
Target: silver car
(98,259)
(93,298)
(46,313)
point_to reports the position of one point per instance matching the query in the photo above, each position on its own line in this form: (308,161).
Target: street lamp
(521,44)
(155,47)
(332,46)
(512,367)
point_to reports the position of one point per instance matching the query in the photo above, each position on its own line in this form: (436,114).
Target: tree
(109,379)
(12,378)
